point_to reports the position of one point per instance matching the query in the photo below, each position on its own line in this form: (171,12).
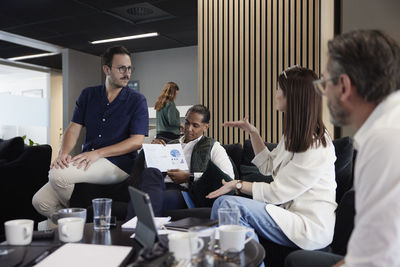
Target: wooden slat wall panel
(243,46)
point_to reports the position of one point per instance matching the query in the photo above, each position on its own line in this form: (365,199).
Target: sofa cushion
(84,193)
(10,149)
(234,151)
(248,153)
(252,174)
(208,182)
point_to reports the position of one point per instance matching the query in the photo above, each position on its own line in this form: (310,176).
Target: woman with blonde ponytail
(168,122)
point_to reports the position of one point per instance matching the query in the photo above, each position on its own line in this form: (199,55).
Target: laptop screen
(146,231)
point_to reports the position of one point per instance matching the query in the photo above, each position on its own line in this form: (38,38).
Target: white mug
(182,245)
(68,212)
(19,232)
(233,237)
(70,229)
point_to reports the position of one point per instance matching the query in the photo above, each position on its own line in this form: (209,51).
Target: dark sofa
(241,157)
(23,171)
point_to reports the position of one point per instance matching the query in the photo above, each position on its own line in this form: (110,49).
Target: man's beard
(118,83)
(338,116)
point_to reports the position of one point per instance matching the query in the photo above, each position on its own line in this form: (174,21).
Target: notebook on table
(185,223)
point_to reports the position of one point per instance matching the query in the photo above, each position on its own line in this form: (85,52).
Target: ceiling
(74,23)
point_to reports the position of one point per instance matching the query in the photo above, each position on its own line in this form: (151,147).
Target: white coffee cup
(68,212)
(232,238)
(182,245)
(19,232)
(70,229)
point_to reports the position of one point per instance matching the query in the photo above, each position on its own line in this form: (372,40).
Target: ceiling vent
(142,13)
(139,11)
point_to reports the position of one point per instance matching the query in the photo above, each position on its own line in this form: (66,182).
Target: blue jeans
(254,215)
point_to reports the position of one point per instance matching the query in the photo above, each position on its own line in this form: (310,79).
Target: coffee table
(252,255)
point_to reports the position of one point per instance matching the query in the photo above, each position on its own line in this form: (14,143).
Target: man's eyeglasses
(320,85)
(123,69)
(290,68)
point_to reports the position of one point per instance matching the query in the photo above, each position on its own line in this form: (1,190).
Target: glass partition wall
(24,104)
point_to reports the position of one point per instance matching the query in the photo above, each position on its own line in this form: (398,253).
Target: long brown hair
(168,93)
(302,124)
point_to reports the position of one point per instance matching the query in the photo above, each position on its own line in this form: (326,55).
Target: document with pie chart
(166,157)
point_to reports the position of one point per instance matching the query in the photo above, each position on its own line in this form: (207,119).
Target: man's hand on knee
(62,161)
(85,159)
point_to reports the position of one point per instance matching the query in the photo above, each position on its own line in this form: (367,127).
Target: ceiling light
(32,56)
(145,35)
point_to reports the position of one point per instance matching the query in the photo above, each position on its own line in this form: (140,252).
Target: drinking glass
(228,216)
(205,256)
(101,213)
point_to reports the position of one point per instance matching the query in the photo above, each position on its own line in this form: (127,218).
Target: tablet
(146,231)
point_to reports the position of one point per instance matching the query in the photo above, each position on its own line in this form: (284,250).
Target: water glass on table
(228,216)
(205,256)
(101,213)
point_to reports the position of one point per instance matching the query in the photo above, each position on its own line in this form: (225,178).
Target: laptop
(146,230)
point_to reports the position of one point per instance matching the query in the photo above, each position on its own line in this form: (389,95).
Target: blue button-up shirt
(110,123)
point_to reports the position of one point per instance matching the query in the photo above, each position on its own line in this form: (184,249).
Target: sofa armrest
(22,178)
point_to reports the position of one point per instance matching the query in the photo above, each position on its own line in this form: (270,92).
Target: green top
(168,119)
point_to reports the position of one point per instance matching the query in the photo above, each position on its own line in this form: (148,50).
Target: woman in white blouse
(297,208)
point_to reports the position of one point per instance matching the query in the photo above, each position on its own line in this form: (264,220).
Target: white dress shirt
(218,156)
(375,240)
(301,198)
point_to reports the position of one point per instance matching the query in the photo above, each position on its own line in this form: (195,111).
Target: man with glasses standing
(361,84)
(116,121)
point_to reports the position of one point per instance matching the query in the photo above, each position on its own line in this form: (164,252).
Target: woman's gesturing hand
(226,188)
(242,124)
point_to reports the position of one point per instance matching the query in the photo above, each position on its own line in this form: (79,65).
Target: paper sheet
(165,157)
(162,232)
(77,254)
(159,221)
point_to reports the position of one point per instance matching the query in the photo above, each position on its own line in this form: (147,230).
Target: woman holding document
(297,209)
(168,121)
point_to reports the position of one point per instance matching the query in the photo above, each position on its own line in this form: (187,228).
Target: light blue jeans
(254,215)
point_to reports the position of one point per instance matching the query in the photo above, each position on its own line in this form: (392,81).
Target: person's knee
(57,178)
(151,176)
(226,201)
(40,205)
(36,202)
